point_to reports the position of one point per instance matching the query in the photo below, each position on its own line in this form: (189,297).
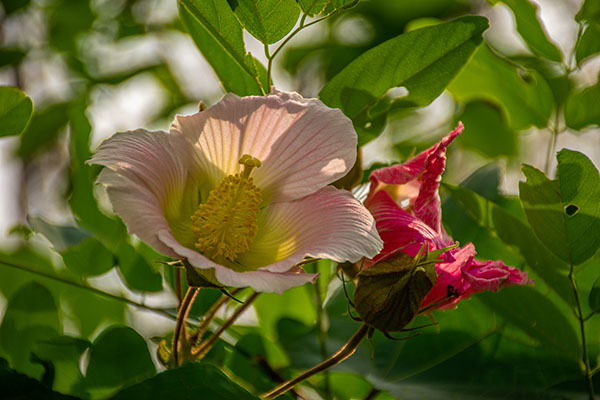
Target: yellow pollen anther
(227,223)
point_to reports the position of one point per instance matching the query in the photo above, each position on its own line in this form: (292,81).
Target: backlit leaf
(15,111)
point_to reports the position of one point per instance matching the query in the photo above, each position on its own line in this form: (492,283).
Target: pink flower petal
(329,224)
(399,230)
(259,280)
(420,178)
(146,176)
(303,145)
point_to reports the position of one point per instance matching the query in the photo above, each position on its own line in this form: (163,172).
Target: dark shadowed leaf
(190,382)
(16,386)
(61,236)
(118,357)
(582,109)
(523,94)
(218,35)
(15,111)
(594,298)
(535,314)
(564,212)
(416,60)
(267,20)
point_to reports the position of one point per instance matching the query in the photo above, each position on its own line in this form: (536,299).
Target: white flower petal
(303,145)
(260,281)
(328,224)
(146,175)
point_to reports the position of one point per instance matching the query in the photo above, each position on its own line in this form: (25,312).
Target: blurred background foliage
(83,305)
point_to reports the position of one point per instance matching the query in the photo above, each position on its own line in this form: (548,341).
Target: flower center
(226,223)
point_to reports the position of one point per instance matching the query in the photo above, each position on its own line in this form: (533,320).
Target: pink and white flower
(405,203)
(241,189)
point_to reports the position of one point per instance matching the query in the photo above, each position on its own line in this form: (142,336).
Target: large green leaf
(524,95)
(61,236)
(531,30)
(590,11)
(31,315)
(118,357)
(190,382)
(218,35)
(267,20)
(43,129)
(139,273)
(16,386)
(581,109)
(514,232)
(565,213)
(594,298)
(88,258)
(534,313)
(15,111)
(418,61)
(326,7)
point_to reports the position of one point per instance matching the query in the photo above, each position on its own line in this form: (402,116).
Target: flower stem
(584,358)
(322,333)
(208,344)
(208,317)
(182,314)
(346,351)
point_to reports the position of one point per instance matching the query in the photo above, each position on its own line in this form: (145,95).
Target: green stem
(584,358)
(178,271)
(208,344)
(322,334)
(182,314)
(346,351)
(208,317)
(300,27)
(552,147)
(84,287)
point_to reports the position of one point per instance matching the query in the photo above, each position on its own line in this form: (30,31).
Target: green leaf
(523,94)
(537,316)
(15,111)
(218,35)
(139,273)
(267,20)
(594,298)
(246,361)
(589,44)
(325,7)
(189,382)
(416,60)
(565,213)
(486,130)
(66,21)
(88,258)
(531,30)
(581,108)
(61,236)
(514,232)
(31,315)
(118,357)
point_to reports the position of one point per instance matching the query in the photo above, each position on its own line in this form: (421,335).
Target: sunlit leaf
(267,20)
(15,111)
(139,273)
(486,130)
(581,108)
(524,95)
(564,213)
(189,382)
(218,35)
(118,357)
(531,29)
(417,61)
